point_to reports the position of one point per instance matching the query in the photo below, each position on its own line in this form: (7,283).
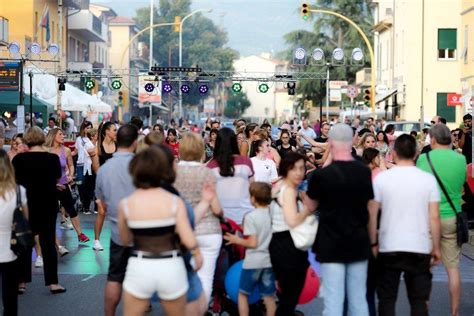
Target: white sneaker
(62,251)
(97,246)
(66,224)
(39,262)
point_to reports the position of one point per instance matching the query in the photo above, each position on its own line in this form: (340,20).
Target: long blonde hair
(7,175)
(51,136)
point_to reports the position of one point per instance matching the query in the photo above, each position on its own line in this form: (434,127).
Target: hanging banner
(454,99)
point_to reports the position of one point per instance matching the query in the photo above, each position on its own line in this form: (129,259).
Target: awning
(72,99)
(384,96)
(10,99)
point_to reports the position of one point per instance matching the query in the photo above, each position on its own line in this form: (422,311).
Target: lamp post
(180,100)
(150,63)
(373,78)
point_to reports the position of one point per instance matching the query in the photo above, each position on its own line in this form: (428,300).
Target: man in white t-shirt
(309,132)
(409,233)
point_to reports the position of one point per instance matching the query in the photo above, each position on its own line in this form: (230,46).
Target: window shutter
(442,108)
(447,39)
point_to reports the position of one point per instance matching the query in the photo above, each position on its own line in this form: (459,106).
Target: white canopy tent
(45,88)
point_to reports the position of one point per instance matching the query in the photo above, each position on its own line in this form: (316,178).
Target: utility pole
(60,44)
(150,63)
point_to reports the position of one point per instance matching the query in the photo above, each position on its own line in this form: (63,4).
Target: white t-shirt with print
(404,194)
(265,170)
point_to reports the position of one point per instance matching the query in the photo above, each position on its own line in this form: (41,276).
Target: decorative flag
(45,22)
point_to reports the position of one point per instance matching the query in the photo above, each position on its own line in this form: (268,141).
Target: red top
(175,148)
(470,177)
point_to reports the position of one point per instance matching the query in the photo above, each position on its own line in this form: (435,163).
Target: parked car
(405,127)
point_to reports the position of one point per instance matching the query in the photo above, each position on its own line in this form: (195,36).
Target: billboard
(9,76)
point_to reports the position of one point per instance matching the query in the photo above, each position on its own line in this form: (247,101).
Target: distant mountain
(253,26)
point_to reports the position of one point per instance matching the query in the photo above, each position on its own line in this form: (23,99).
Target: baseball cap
(285,126)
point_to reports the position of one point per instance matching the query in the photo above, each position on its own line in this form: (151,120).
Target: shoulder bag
(462,230)
(22,238)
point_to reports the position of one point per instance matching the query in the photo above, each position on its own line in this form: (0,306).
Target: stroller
(229,254)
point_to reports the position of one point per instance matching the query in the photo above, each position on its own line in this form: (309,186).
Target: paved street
(83,273)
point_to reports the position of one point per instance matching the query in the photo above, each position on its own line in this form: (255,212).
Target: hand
(69,179)
(375,251)
(435,257)
(198,261)
(231,239)
(60,187)
(208,192)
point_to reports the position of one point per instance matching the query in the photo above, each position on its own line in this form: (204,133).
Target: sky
(253,26)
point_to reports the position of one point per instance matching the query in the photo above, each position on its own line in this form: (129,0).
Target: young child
(257,268)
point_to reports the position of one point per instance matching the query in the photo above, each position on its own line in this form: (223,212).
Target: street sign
(454,99)
(9,76)
(145,97)
(352,92)
(381,89)
(335,95)
(337,84)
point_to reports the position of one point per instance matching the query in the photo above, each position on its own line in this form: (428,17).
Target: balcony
(88,26)
(76,4)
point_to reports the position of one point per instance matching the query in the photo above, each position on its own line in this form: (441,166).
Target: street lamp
(180,102)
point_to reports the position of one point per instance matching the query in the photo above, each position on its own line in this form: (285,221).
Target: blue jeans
(339,277)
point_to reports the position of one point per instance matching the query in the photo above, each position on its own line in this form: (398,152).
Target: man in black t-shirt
(466,139)
(341,193)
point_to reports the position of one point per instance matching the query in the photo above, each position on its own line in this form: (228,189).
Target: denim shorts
(195,287)
(263,278)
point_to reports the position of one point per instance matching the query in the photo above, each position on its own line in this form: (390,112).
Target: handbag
(462,229)
(304,234)
(22,238)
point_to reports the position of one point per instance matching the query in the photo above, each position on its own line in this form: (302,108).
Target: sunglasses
(433,122)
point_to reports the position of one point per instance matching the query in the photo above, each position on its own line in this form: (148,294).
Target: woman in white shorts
(157,224)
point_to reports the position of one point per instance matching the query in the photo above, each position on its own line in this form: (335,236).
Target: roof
(121,20)
(104,9)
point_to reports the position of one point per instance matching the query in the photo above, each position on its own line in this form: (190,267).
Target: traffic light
(62,83)
(120,98)
(367,97)
(291,87)
(305,11)
(177,24)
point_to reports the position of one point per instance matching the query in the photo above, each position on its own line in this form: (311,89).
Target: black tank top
(104,156)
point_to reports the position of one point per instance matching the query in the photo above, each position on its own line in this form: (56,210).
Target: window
(442,108)
(447,43)
(466,44)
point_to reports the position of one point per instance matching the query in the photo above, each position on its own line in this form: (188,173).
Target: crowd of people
(168,193)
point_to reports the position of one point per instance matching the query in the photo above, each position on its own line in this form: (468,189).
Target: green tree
(330,32)
(203,42)
(236,105)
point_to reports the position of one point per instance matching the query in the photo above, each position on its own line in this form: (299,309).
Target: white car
(405,127)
